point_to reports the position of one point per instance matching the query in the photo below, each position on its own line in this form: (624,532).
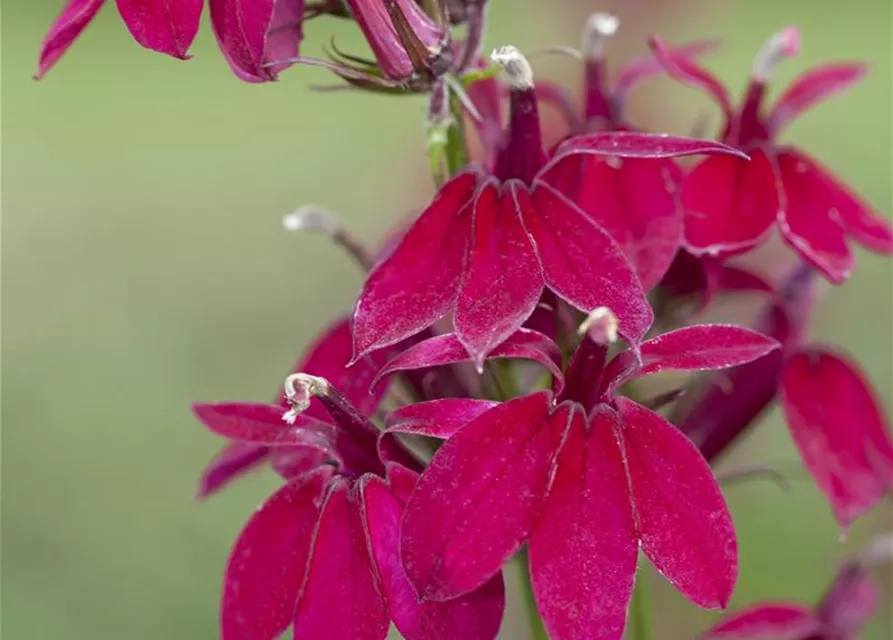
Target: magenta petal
(768,621)
(161,25)
(241,28)
(647,67)
(812,87)
(73,19)
(341,597)
(635,144)
(503,280)
(857,218)
(729,205)
(700,347)
(436,418)
(475,616)
(583,264)
(684,69)
(683,522)
(285,33)
(810,221)
(850,602)
(476,502)
(268,562)
(262,424)
(418,282)
(583,548)
(633,200)
(232,461)
(839,428)
(444,349)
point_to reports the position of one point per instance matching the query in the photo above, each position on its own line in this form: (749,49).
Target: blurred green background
(144,266)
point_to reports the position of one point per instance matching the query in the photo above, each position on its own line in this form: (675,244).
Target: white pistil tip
(782,44)
(601,325)
(520,75)
(313,218)
(599,28)
(299,389)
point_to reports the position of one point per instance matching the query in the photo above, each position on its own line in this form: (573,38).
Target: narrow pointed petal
(583,264)
(503,280)
(268,562)
(285,33)
(476,502)
(235,459)
(839,428)
(850,602)
(810,222)
(341,597)
(637,71)
(700,347)
(262,424)
(812,88)
(729,205)
(241,27)
(475,616)
(858,219)
(436,418)
(635,144)
(583,548)
(684,524)
(161,25)
(686,70)
(768,621)
(74,18)
(418,282)
(444,349)
(328,358)
(634,200)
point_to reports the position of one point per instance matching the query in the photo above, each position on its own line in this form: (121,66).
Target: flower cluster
(485,398)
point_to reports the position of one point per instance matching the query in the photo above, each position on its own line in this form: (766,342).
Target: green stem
(536,630)
(639,618)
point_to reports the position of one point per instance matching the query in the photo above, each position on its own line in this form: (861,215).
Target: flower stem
(536,630)
(639,619)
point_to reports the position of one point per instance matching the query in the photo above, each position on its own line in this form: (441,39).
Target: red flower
(840,615)
(835,418)
(491,241)
(583,475)
(730,208)
(327,357)
(166,27)
(634,200)
(321,554)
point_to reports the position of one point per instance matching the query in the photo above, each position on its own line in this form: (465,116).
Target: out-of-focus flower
(836,420)
(166,27)
(321,554)
(582,474)
(731,208)
(493,239)
(840,614)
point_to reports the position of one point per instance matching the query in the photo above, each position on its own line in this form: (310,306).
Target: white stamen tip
(299,390)
(520,75)
(313,218)
(782,44)
(599,29)
(601,325)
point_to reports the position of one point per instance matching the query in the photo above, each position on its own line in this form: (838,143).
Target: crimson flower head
(732,208)
(840,614)
(321,554)
(635,200)
(586,477)
(835,418)
(493,238)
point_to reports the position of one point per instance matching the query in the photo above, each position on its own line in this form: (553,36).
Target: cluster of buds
(484,399)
